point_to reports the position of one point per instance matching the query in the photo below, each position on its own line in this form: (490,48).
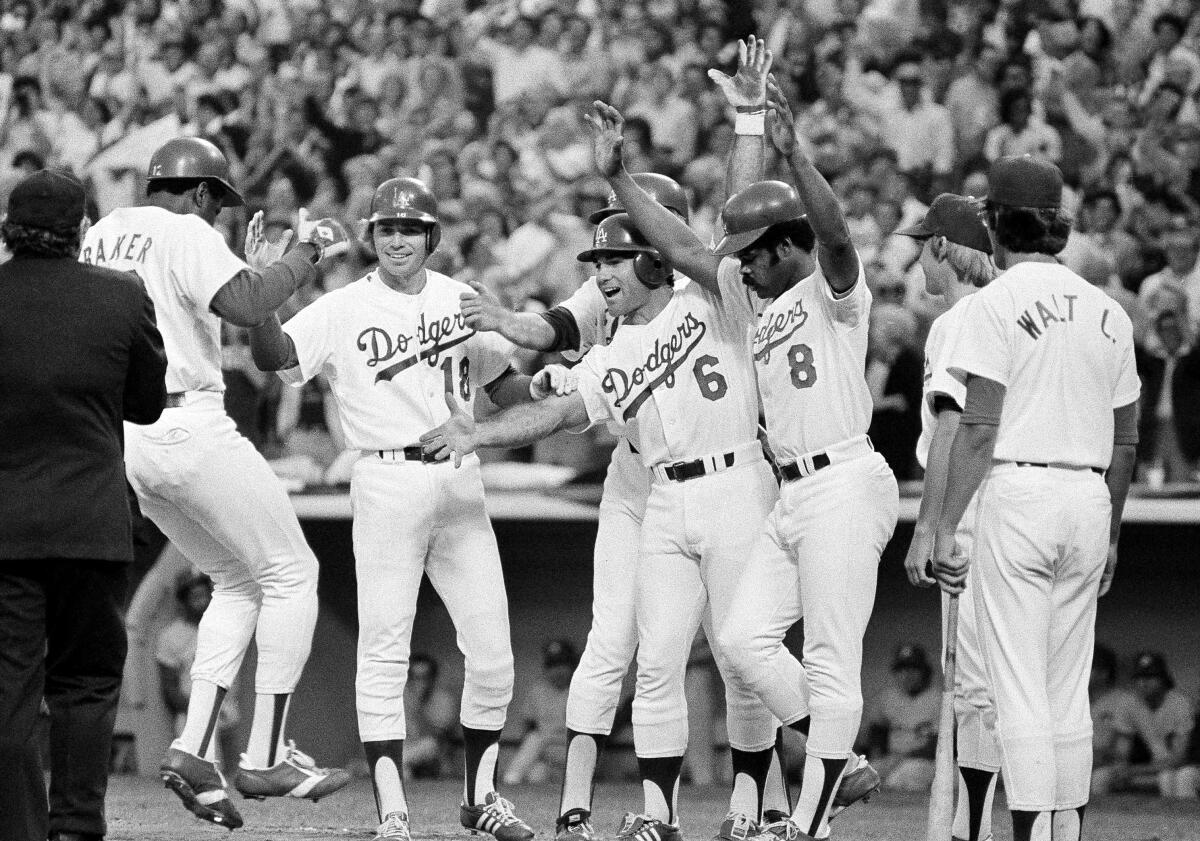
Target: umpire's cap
(193,159)
(748,214)
(664,190)
(47,200)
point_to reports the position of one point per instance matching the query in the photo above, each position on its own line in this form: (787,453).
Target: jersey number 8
(464,377)
(800,360)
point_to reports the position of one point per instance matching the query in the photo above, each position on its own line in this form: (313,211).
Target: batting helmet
(666,191)
(616,235)
(748,213)
(192,159)
(407,198)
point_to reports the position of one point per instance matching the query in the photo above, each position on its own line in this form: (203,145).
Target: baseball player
(1047,437)
(803,312)
(572,328)
(664,383)
(391,345)
(205,486)
(955,257)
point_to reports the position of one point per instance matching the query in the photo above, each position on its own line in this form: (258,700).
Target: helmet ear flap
(433,235)
(652,270)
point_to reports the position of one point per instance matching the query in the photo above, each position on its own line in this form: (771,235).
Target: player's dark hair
(179,186)
(26,241)
(1029,230)
(796,231)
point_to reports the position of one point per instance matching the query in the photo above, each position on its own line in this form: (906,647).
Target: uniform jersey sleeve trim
(566,328)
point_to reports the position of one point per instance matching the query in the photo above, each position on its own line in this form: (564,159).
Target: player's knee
(740,652)
(490,677)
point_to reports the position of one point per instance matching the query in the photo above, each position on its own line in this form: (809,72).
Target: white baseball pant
(696,538)
(612,640)
(412,519)
(214,496)
(818,558)
(1041,542)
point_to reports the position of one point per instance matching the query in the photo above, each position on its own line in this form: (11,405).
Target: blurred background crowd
(315,102)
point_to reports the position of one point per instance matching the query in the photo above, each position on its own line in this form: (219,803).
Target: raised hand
(481,308)
(606,124)
(453,439)
(748,86)
(259,252)
(781,125)
(551,380)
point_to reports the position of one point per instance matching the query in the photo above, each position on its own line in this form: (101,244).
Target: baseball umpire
(1047,437)
(79,351)
(206,487)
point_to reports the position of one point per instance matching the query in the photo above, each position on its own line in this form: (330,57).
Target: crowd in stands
(315,102)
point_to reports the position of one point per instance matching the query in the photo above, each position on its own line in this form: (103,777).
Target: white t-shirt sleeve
(592,370)
(590,312)
(736,296)
(490,355)
(311,330)
(942,383)
(983,346)
(202,263)
(850,308)
(1129,385)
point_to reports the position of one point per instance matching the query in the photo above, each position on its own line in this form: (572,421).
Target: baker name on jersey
(659,368)
(1047,312)
(125,247)
(433,336)
(777,329)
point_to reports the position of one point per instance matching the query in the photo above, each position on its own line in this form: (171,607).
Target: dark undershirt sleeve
(985,401)
(1125,424)
(566,329)
(944,403)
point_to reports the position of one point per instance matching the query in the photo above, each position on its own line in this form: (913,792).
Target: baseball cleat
(201,787)
(737,826)
(296,776)
(495,817)
(574,825)
(643,828)
(784,830)
(859,784)
(393,828)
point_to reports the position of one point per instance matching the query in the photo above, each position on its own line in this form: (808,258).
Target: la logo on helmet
(403,198)
(601,237)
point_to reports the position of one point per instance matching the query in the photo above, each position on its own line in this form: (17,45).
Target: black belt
(1097,470)
(175,399)
(791,471)
(681,471)
(416,453)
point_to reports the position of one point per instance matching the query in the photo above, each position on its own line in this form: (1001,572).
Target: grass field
(140,809)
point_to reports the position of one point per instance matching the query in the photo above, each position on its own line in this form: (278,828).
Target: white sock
(816,795)
(775,792)
(1066,825)
(745,796)
(266,744)
(389,786)
(657,806)
(583,751)
(200,724)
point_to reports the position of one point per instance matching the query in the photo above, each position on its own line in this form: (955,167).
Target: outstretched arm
(666,231)
(483,311)
(838,259)
(746,91)
(514,427)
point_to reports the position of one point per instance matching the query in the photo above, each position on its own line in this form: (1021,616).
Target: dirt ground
(140,809)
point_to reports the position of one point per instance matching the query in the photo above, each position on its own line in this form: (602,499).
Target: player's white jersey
(1063,350)
(596,325)
(810,352)
(682,386)
(939,382)
(390,357)
(183,261)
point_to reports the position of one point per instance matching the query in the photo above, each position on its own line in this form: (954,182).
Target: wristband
(752,109)
(750,124)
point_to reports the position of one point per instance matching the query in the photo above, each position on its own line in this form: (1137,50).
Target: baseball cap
(910,657)
(955,218)
(1151,664)
(1024,181)
(558,653)
(49,200)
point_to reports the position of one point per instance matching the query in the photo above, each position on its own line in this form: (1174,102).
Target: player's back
(183,262)
(1069,363)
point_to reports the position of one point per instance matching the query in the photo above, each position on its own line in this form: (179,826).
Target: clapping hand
(259,252)
(606,124)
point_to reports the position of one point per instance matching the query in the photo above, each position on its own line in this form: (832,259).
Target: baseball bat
(941,794)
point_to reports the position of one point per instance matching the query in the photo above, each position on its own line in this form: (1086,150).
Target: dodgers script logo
(659,368)
(777,329)
(434,337)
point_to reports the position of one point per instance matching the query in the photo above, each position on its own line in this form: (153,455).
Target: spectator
(1164,727)
(1168,361)
(543,716)
(894,377)
(1113,725)
(901,723)
(1182,249)
(431,714)
(920,131)
(1019,132)
(672,118)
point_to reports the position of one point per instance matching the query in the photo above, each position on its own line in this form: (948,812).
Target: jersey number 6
(712,385)
(464,376)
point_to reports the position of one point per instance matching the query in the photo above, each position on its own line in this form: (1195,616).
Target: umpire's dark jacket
(79,352)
